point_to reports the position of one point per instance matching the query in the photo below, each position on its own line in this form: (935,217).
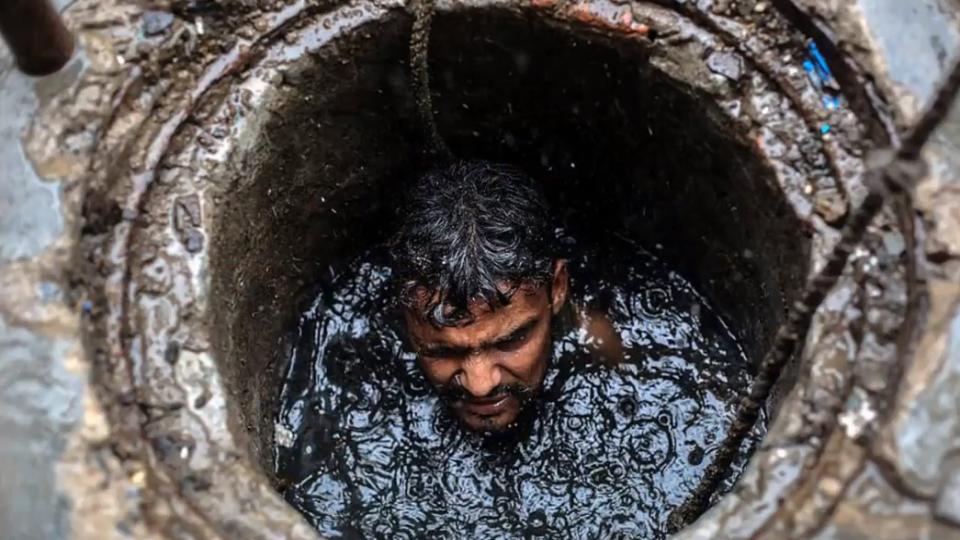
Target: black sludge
(368,450)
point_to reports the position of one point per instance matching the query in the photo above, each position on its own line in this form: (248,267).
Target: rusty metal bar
(37,37)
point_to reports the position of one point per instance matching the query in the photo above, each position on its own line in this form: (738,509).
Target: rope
(888,172)
(423,14)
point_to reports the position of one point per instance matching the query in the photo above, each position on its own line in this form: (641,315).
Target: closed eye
(442,353)
(514,342)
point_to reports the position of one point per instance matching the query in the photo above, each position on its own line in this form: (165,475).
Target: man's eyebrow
(514,334)
(439,349)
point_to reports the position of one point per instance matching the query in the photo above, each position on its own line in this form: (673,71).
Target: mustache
(454,392)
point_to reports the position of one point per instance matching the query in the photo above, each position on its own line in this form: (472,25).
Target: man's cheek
(526,361)
(438,372)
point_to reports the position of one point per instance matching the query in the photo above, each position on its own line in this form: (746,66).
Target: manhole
(273,142)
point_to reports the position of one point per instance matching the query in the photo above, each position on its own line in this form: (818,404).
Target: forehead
(485,323)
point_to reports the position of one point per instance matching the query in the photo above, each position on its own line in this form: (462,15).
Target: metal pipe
(38,38)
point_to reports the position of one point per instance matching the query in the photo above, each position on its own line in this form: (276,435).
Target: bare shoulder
(599,334)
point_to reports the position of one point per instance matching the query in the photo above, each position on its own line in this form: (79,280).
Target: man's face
(486,368)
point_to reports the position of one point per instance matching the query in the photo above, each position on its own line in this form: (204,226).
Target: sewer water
(366,449)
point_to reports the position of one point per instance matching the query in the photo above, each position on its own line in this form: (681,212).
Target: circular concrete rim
(189,163)
(63,111)
(189,191)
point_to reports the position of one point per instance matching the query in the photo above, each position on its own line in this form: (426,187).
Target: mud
(165,449)
(367,450)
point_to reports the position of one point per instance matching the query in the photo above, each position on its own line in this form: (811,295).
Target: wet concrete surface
(40,395)
(878,486)
(29,232)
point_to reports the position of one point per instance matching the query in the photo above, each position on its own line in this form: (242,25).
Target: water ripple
(611,450)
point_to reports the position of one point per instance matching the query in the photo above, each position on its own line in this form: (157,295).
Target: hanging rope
(423,14)
(888,172)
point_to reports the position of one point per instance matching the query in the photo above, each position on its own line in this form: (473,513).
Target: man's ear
(561,283)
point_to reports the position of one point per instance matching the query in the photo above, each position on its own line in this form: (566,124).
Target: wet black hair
(464,230)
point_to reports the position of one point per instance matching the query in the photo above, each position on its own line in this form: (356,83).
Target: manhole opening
(623,151)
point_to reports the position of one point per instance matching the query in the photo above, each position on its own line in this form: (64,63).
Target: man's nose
(480,376)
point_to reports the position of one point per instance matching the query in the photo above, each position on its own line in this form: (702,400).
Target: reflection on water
(368,451)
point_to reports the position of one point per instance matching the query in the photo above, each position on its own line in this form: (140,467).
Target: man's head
(481,283)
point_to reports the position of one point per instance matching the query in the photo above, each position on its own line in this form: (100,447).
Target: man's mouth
(486,407)
(495,403)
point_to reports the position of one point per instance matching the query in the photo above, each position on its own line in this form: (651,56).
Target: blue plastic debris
(824,129)
(821,63)
(821,77)
(87,306)
(813,73)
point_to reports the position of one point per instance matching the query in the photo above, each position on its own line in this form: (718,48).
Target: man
(485,292)
(482,289)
